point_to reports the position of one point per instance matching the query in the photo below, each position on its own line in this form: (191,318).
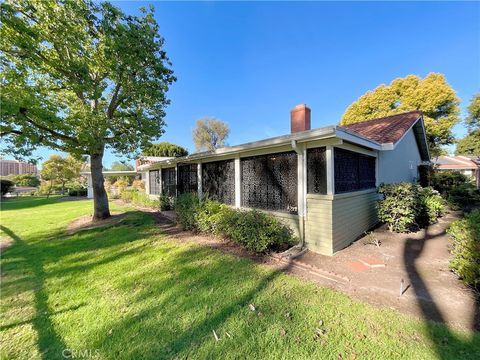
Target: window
(187,178)
(169,186)
(154,182)
(316,171)
(353,171)
(218,181)
(270,182)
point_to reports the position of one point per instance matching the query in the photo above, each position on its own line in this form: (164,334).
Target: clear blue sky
(249,63)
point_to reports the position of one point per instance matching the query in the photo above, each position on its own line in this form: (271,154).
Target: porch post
(147,182)
(89,186)
(238,183)
(199,180)
(330,171)
(160,190)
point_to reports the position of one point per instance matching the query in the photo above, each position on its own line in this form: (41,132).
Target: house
(321,182)
(469,166)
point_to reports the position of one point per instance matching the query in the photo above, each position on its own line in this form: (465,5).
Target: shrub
(6,186)
(139,198)
(407,206)
(465,248)
(166,203)
(186,207)
(77,192)
(400,208)
(138,184)
(445,181)
(257,231)
(432,206)
(463,195)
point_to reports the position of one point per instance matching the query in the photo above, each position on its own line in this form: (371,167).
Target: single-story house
(322,182)
(469,166)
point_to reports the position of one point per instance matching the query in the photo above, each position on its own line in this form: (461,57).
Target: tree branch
(113,103)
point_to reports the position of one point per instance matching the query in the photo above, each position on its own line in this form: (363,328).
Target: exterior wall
(400,164)
(334,222)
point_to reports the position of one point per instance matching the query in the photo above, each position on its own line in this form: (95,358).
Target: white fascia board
(309,135)
(355,138)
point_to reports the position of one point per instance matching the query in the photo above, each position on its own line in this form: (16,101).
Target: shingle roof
(389,129)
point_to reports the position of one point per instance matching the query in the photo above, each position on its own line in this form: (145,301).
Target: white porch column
(147,182)
(160,190)
(238,183)
(199,180)
(89,186)
(330,171)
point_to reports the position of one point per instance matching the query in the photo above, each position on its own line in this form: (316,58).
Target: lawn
(130,292)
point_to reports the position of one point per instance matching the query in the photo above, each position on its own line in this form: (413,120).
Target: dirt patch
(85,223)
(5,243)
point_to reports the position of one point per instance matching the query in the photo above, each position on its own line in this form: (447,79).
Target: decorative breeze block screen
(316,171)
(154,182)
(169,185)
(218,181)
(353,171)
(187,178)
(270,182)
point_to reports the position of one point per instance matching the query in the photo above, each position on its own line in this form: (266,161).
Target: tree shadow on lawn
(181,297)
(442,338)
(26,262)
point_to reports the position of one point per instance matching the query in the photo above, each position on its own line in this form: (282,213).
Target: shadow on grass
(442,340)
(25,261)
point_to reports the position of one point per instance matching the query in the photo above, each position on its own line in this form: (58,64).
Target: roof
(456,162)
(389,129)
(377,134)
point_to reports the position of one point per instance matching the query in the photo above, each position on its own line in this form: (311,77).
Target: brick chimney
(300,118)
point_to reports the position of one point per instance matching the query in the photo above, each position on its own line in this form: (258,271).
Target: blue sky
(249,63)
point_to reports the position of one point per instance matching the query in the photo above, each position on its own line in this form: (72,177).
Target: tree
(80,77)
(165,149)
(122,166)
(210,134)
(432,95)
(25,180)
(60,170)
(469,145)
(473,119)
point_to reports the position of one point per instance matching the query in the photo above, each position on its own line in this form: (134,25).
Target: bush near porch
(407,207)
(465,248)
(253,229)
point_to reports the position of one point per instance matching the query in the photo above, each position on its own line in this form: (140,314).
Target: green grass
(129,292)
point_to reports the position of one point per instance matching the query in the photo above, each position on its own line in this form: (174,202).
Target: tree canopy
(60,170)
(25,180)
(432,95)
(80,76)
(165,149)
(210,134)
(470,144)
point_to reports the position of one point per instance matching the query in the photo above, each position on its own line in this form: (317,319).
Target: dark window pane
(270,182)
(353,171)
(168,182)
(316,171)
(187,178)
(154,182)
(218,181)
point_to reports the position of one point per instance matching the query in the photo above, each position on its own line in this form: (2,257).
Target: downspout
(301,191)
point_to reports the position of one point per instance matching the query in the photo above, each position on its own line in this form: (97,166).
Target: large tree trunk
(100,199)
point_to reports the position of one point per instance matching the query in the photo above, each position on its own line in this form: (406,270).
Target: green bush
(6,186)
(77,192)
(137,197)
(256,231)
(444,181)
(407,207)
(463,195)
(466,248)
(186,207)
(166,203)
(432,206)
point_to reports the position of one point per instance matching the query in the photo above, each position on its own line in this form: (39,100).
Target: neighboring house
(469,166)
(322,182)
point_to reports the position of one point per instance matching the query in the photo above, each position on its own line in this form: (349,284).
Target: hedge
(255,230)
(465,248)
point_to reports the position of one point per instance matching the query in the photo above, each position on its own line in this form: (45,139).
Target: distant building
(467,165)
(15,167)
